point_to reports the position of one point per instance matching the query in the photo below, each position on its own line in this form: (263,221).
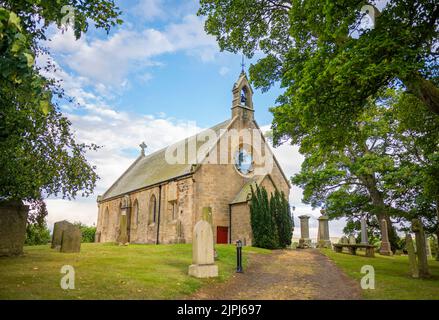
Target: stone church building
(163,199)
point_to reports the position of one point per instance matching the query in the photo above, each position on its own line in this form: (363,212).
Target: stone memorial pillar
(364,238)
(323,233)
(421,251)
(203,265)
(206,215)
(385,249)
(414,272)
(304,241)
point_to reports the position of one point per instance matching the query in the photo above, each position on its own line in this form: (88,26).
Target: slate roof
(153,168)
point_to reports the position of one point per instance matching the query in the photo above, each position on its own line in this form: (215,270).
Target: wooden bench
(370,249)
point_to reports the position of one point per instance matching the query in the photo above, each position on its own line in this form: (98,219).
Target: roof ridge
(142,159)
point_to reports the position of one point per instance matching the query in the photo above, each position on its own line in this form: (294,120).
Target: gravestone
(206,215)
(412,256)
(71,239)
(421,251)
(343,240)
(13,217)
(203,265)
(385,249)
(58,229)
(352,240)
(364,237)
(323,240)
(304,241)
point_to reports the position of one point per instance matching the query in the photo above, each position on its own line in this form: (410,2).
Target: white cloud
(149,10)
(108,62)
(223,71)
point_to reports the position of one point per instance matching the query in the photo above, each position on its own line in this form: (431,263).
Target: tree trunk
(425,90)
(381,211)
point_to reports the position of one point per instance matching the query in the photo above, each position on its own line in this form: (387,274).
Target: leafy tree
(39,156)
(88,232)
(36,228)
(264,229)
(37,234)
(375,175)
(270,219)
(327,62)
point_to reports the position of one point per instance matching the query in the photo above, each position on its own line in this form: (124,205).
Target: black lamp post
(239,256)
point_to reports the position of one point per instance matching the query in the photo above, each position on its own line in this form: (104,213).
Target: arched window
(135,213)
(152,209)
(244,96)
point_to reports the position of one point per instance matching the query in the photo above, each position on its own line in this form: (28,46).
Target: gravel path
(285,275)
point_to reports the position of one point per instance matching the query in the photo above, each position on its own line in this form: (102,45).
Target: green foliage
(282,216)
(38,153)
(262,221)
(385,170)
(270,219)
(88,232)
(328,65)
(37,234)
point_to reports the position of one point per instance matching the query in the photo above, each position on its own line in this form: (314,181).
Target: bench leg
(338,249)
(352,250)
(370,252)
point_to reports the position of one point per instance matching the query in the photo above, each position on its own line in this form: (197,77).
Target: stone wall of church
(216,186)
(176,218)
(241,227)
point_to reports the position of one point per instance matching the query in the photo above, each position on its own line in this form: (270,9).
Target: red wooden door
(222,234)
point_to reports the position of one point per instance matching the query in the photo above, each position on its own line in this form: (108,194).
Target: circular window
(243,161)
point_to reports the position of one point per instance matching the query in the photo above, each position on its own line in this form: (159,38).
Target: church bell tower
(242,103)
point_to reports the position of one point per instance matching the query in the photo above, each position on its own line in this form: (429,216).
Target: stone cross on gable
(143,147)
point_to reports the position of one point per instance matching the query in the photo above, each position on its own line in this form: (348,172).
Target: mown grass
(392,278)
(108,271)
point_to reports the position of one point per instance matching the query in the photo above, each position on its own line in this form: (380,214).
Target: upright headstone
(202,252)
(352,240)
(71,239)
(323,240)
(179,230)
(58,229)
(304,241)
(364,237)
(385,249)
(421,251)
(412,256)
(343,240)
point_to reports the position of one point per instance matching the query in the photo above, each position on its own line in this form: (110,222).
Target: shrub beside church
(271,219)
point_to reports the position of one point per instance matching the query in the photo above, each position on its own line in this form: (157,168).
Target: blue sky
(157,78)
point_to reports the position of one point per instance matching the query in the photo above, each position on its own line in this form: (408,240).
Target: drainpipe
(159,209)
(230,223)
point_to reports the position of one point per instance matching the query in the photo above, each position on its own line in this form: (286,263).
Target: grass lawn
(108,271)
(392,279)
